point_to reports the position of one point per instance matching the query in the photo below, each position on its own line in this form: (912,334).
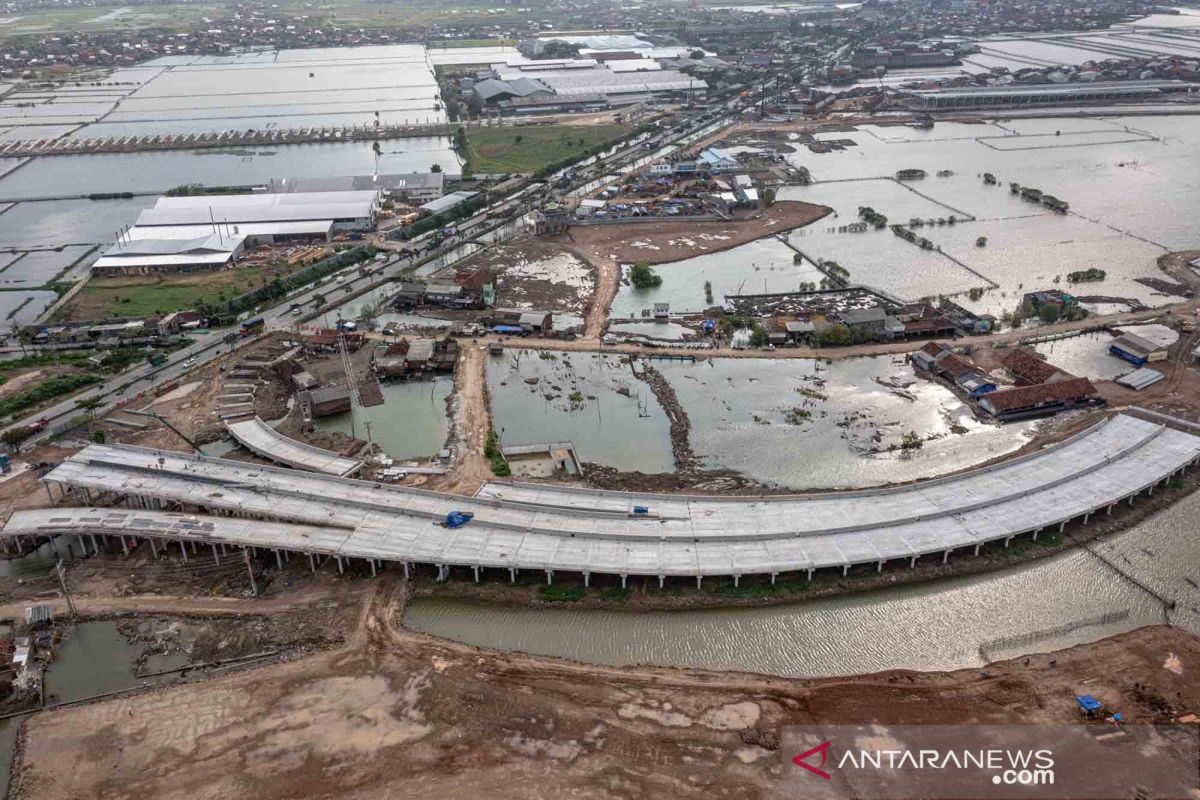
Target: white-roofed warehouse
(349,211)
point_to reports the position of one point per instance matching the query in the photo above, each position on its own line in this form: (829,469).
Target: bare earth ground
(397,714)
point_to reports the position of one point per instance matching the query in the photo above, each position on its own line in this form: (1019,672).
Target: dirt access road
(402,715)
(607,247)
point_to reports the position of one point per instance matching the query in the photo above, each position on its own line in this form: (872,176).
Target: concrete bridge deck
(521,526)
(260,438)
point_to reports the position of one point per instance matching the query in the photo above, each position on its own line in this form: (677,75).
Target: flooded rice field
(871,420)
(158,171)
(594,401)
(1028,247)
(411,423)
(393,84)
(953,623)
(803,423)
(762,266)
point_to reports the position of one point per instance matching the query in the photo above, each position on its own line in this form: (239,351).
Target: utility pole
(62,583)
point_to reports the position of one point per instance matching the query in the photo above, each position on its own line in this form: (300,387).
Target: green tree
(642,277)
(89,404)
(1049,313)
(13,437)
(436,168)
(758,335)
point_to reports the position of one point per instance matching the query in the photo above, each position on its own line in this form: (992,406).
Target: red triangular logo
(823,749)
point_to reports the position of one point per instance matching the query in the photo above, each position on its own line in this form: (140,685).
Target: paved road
(400,258)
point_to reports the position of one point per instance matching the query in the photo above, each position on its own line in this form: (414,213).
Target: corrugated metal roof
(1141,378)
(238,208)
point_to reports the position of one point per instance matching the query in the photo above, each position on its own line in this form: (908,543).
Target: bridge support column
(1062,526)
(183,549)
(1108,510)
(1007,541)
(1086,517)
(1150,491)
(977,546)
(549,577)
(373,573)
(279,560)
(774,575)
(810,574)
(154,549)
(912,562)
(587,577)
(82,546)
(736,578)
(312,565)
(945,556)
(512,574)
(95,546)
(405,570)
(623,579)
(49,494)
(879,566)
(216,555)
(699,578)
(845,570)
(476,573)
(124,546)
(342,569)
(1131,500)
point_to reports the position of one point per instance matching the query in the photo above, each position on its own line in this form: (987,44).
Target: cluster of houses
(116,332)
(875,323)
(1040,388)
(409,358)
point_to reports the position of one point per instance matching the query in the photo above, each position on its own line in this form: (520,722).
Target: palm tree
(89,404)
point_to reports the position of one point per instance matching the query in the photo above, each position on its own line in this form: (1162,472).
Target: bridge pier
(774,575)
(913,562)
(216,556)
(512,574)
(405,570)
(623,578)
(549,577)
(476,573)
(342,569)
(699,578)
(845,570)
(810,573)
(373,573)
(312,566)
(278,559)
(587,576)
(153,549)
(977,546)
(945,556)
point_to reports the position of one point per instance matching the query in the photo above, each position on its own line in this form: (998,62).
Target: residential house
(1043,399)
(1027,369)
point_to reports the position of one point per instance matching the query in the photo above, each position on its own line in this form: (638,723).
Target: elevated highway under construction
(192,501)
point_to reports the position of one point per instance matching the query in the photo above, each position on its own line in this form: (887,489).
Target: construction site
(589,504)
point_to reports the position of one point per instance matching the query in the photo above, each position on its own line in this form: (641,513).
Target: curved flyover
(260,438)
(551,528)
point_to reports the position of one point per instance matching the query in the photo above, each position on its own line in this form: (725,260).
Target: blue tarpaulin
(456,519)
(1088,703)
(508,329)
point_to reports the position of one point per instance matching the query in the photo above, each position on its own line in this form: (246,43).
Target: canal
(947,624)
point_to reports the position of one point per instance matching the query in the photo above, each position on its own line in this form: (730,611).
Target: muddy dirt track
(401,715)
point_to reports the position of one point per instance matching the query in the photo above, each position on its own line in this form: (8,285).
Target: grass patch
(491,450)
(499,150)
(47,390)
(615,593)
(140,296)
(561,593)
